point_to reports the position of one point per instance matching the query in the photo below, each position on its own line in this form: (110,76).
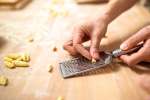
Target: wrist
(105,17)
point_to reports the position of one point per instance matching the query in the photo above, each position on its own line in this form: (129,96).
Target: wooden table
(115,82)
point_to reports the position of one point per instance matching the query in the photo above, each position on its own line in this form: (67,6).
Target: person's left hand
(141,55)
(93,30)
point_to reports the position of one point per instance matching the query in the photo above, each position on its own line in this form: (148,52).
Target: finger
(82,51)
(135,39)
(132,59)
(70,42)
(95,42)
(147,50)
(69,47)
(78,38)
(78,35)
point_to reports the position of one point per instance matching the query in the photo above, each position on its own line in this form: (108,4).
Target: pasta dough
(17,60)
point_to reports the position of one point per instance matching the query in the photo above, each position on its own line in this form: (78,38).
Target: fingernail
(124,46)
(91,51)
(94,53)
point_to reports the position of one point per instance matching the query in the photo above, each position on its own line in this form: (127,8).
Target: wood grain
(115,82)
(90,1)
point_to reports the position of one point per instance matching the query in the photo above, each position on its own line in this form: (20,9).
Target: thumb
(135,39)
(95,42)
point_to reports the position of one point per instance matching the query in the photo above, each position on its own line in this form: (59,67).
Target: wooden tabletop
(115,82)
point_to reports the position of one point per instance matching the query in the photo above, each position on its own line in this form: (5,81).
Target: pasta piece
(8,59)
(3,81)
(21,64)
(9,64)
(13,56)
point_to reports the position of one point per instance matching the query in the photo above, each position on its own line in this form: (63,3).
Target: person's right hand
(90,30)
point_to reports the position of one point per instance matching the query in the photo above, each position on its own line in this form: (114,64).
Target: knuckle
(95,44)
(147,28)
(130,63)
(95,35)
(144,52)
(147,31)
(64,46)
(75,45)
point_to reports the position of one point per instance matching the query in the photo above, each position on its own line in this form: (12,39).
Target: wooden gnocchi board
(115,82)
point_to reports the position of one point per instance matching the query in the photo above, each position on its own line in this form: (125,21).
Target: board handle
(119,52)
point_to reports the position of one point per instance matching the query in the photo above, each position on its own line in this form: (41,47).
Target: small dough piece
(50,68)
(13,56)
(54,2)
(3,81)
(54,14)
(60,98)
(21,63)
(55,49)
(30,39)
(8,59)
(9,64)
(93,60)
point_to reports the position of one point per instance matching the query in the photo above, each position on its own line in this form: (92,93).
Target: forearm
(115,7)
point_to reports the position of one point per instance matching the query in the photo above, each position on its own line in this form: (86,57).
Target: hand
(91,30)
(144,53)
